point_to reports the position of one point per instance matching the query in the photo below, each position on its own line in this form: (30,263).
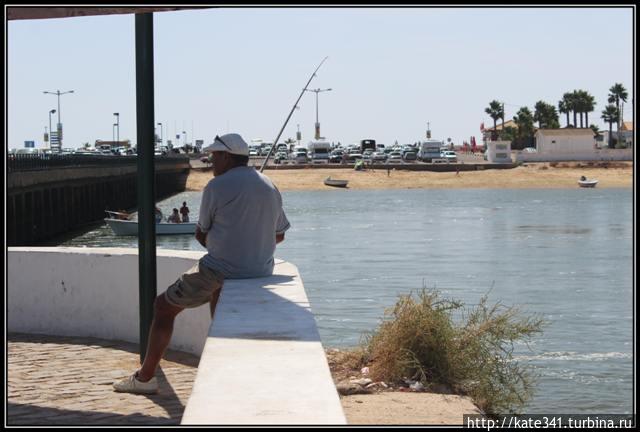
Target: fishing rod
(295,105)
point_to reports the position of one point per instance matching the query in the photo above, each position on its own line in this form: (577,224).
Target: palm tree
(584,104)
(546,115)
(589,105)
(618,93)
(610,115)
(570,102)
(563,108)
(495,111)
(524,120)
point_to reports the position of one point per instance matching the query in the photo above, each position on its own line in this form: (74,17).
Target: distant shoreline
(527,176)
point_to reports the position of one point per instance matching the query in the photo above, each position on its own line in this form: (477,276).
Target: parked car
(352,157)
(336,156)
(449,155)
(410,156)
(279,157)
(379,156)
(395,157)
(299,157)
(530,150)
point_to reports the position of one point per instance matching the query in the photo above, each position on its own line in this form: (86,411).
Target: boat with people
(122,225)
(336,183)
(583,182)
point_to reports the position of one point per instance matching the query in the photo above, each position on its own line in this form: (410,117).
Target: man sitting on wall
(241,221)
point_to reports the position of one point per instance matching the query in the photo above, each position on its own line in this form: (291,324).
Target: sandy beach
(539,175)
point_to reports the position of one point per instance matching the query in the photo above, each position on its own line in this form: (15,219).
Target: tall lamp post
(161,134)
(59,128)
(51,130)
(184,133)
(316,91)
(118,126)
(113,132)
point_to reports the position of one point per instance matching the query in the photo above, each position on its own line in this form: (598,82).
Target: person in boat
(175,217)
(122,215)
(241,220)
(184,211)
(583,178)
(159,216)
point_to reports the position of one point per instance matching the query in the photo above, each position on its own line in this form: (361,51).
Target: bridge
(49,195)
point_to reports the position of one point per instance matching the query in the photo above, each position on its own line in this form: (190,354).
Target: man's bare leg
(214,301)
(159,337)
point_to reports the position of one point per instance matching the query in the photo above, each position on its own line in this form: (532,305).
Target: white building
(565,141)
(499,151)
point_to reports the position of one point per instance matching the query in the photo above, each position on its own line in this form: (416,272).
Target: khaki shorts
(195,287)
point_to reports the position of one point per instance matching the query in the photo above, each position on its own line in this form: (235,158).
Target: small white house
(499,151)
(576,141)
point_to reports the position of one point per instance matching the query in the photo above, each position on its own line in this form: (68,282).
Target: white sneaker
(132,385)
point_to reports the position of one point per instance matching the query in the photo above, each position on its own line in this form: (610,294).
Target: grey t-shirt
(241,212)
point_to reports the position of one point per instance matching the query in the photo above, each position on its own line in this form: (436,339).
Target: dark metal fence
(31,162)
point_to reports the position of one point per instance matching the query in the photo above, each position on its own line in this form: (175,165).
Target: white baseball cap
(230,143)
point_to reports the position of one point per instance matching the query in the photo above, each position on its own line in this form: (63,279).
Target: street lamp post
(113,132)
(118,126)
(316,91)
(59,128)
(184,133)
(161,134)
(50,130)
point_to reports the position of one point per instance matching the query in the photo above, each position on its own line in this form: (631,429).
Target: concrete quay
(56,380)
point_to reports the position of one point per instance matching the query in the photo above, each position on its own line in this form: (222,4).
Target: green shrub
(420,339)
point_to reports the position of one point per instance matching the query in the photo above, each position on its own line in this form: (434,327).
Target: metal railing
(32,162)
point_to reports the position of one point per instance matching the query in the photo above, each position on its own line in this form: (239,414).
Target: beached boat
(336,183)
(121,226)
(583,182)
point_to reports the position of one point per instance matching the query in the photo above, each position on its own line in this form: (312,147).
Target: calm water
(563,254)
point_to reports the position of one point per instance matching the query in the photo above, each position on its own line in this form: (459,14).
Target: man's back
(241,212)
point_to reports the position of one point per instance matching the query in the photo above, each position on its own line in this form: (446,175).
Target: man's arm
(201,237)
(279,238)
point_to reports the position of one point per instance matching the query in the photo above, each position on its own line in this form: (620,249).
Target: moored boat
(583,182)
(336,183)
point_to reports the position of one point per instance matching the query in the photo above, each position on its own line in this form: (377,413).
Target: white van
(430,150)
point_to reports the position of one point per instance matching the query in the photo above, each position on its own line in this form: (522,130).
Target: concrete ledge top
(263,362)
(109,251)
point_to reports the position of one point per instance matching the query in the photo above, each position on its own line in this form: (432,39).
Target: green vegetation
(610,115)
(495,111)
(473,355)
(578,102)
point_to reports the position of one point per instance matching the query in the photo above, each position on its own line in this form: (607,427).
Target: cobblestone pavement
(53,380)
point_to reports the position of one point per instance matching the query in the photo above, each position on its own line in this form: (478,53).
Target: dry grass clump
(420,340)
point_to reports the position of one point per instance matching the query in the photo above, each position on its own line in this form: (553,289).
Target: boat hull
(336,183)
(588,183)
(130,228)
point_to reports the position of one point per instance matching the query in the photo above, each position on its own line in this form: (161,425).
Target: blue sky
(392,71)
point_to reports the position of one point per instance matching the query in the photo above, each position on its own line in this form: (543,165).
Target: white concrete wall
(263,362)
(563,144)
(590,155)
(93,292)
(499,151)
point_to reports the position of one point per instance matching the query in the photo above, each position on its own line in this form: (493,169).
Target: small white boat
(124,227)
(335,183)
(587,183)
